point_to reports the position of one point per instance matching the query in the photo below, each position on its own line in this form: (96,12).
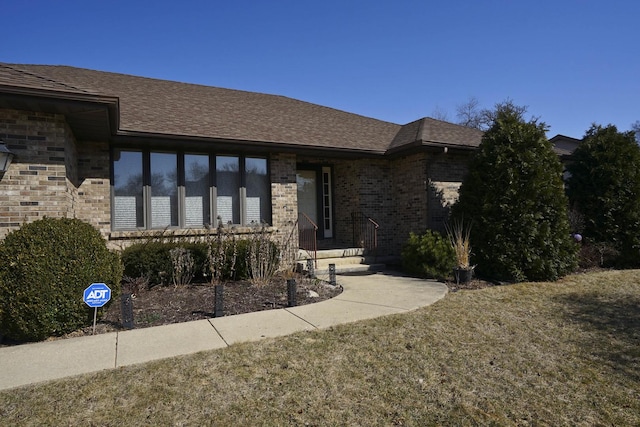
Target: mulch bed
(163,305)
(475,283)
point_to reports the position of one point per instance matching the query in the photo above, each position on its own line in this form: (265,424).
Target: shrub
(183,266)
(263,257)
(235,259)
(241,266)
(604,187)
(237,256)
(46,265)
(515,195)
(597,255)
(428,255)
(152,260)
(222,255)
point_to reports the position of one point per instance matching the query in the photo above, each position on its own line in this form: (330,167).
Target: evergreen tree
(514,195)
(604,187)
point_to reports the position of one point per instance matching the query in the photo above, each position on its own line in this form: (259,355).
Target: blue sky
(571,62)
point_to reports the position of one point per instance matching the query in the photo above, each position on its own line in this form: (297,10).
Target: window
(197,190)
(155,190)
(164,190)
(227,184)
(258,200)
(127,211)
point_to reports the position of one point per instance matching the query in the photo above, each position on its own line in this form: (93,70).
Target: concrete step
(323,273)
(346,260)
(343,265)
(331,253)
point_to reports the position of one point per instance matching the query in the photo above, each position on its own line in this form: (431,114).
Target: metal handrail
(308,236)
(365,231)
(374,246)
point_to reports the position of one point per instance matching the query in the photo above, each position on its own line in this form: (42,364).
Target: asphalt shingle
(190,110)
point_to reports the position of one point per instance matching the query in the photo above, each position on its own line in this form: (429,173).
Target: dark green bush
(514,195)
(604,186)
(46,266)
(152,260)
(428,255)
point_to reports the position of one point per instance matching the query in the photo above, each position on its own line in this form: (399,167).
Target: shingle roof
(428,131)
(190,110)
(19,76)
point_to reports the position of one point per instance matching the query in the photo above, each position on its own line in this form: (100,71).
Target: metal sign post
(96,295)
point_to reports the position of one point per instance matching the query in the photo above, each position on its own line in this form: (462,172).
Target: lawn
(564,353)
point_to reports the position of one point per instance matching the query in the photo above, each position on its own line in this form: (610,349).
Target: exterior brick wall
(38,182)
(93,199)
(403,195)
(410,193)
(55,175)
(360,186)
(346,198)
(446,172)
(377,200)
(284,196)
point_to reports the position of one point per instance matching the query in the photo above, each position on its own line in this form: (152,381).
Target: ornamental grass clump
(459,236)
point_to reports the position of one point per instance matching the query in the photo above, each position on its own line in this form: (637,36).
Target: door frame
(320,171)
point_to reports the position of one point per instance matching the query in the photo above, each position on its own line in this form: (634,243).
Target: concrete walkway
(364,297)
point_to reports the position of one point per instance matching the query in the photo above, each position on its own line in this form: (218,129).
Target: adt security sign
(97,295)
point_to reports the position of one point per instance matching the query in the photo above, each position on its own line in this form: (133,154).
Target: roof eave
(428,146)
(90,116)
(123,137)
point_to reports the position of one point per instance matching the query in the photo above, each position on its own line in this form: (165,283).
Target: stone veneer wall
(40,181)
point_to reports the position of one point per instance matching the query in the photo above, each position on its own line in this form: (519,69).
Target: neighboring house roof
(564,146)
(153,107)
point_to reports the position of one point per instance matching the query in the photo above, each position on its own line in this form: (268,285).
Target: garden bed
(163,305)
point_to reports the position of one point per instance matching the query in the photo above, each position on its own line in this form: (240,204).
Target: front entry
(315,199)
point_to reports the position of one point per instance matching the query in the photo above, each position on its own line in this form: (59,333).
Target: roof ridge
(420,131)
(41,77)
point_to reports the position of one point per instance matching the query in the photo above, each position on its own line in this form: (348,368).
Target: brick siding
(56,176)
(40,181)
(446,172)
(284,196)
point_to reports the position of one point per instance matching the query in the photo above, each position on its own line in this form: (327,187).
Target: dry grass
(565,353)
(459,236)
